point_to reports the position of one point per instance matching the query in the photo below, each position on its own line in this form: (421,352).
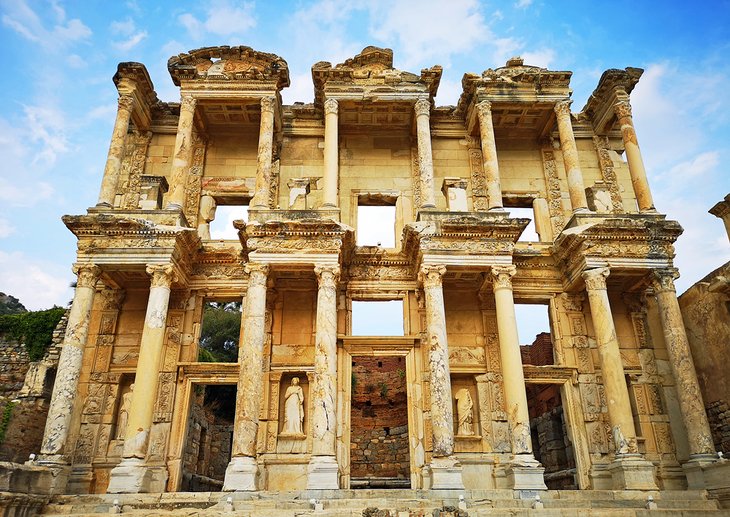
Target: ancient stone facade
(120,416)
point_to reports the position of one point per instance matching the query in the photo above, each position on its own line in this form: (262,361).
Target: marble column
(446,471)
(242,471)
(628,470)
(132,475)
(570,157)
(183,154)
(114,158)
(422,109)
(54,448)
(694,417)
(323,470)
(489,154)
(265,154)
(331,154)
(524,471)
(633,157)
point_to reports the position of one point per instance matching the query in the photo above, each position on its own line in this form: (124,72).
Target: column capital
(163,275)
(596,278)
(431,275)
(188,103)
(87,274)
(327,274)
(268,103)
(502,276)
(331,106)
(622,108)
(663,279)
(257,272)
(484,108)
(422,107)
(563,107)
(125,102)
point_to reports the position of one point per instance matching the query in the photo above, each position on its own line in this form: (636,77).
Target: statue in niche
(123,416)
(293,408)
(464,413)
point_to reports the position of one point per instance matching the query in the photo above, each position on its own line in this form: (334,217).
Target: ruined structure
(129,410)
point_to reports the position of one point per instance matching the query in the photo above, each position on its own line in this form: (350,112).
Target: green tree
(220,332)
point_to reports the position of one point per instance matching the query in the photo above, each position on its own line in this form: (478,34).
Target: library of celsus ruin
(606,398)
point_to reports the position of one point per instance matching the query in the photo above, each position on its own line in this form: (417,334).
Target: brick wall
(540,352)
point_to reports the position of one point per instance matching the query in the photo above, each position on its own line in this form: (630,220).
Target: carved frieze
(554,194)
(605,163)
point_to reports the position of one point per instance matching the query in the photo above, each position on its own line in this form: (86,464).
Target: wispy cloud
(21,18)
(6,229)
(222,18)
(523,4)
(38,284)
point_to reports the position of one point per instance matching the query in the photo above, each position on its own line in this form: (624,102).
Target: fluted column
(323,470)
(54,448)
(633,157)
(183,154)
(331,154)
(116,151)
(265,153)
(489,155)
(570,156)
(680,358)
(241,473)
(422,109)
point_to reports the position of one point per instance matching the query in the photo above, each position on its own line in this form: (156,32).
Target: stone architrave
(331,154)
(323,472)
(570,157)
(633,156)
(524,471)
(242,471)
(489,153)
(422,109)
(114,158)
(132,475)
(446,472)
(183,154)
(265,154)
(54,449)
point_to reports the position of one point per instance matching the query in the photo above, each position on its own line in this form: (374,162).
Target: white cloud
(37,284)
(6,229)
(46,125)
(300,90)
(542,57)
(523,4)
(448,92)
(26,194)
(123,27)
(76,61)
(20,17)
(697,166)
(131,42)
(504,48)
(222,18)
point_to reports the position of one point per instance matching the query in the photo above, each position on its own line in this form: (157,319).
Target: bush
(33,329)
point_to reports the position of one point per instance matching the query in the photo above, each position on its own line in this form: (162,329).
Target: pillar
(699,436)
(570,157)
(323,469)
(489,154)
(633,157)
(242,471)
(331,154)
(524,471)
(722,210)
(132,475)
(425,155)
(116,151)
(183,154)
(446,471)
(54,448)
(628,470)
(265,153)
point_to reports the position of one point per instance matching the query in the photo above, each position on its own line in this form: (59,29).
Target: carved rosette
(87,274)
(422,107)
(163,275)
(431,276)
(502,277)
(331,107)
(595,279)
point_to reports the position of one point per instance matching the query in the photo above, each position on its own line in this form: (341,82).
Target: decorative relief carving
(663,279)
(165,395)
(422,107)
(257,273)
(478,180)
(605,163)
(431,276)
(622,109)
(137,161)
(87,274)
(572,302)
(484,109)
(331,106)
(554,194)
(416,178)
(309,244)
(370,272)
(194,180)
(163,275)
(466,355)
(595,279)
(268,104)
(274,181)
(327,275)
(502,276)
(562,108)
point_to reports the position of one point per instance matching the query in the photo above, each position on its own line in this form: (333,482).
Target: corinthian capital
(163,275)
(663,279)
(484,109)
(431,276)
(422,107)
(87,274)
(327,274)
(596,278)
(125,102)
(331,106)
(563,107)
(187,103)
(502,276)
(267,104)
(257,273)
(622,109)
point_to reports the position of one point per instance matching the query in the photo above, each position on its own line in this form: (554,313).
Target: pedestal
(446,474)
(58,480)
(524,472)
(632,472)
(241,475)
(131,476)
(322,473)
(694,469)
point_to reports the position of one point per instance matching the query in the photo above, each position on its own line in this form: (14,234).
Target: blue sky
(59,101)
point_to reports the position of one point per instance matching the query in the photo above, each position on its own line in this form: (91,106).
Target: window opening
(377,318)
(533,327)
(530,233)
(221,227)
(376,220)
(220,331)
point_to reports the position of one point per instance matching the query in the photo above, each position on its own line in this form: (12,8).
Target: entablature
(615,85)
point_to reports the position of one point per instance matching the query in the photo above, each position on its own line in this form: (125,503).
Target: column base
(60,473)
(524,472)
(446,474)
(241,475)
(694,470)
(632,472)
(323,473)
(131,476)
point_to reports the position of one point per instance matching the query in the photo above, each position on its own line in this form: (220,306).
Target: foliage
(5,420)
(220,332)
(10,305)
(33,329)
(383,389)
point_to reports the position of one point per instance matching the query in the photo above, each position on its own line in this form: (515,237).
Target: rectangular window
(220,332)
(377,318)
(221,228)
(376,220)
(529,234)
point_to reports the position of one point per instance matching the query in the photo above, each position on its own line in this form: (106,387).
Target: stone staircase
(391,503)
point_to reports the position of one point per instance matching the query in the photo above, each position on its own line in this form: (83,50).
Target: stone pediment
(614,85)
(226,63)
